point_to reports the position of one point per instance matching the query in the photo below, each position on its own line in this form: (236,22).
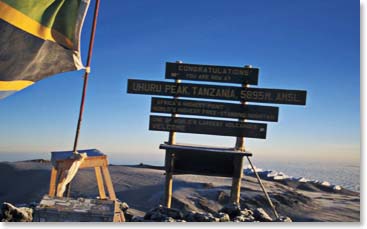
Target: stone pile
(229,213)
(10,213)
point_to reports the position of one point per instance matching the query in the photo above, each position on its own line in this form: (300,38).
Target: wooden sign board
(214,109)
(208,126)
(204,163)
(260,95)
(212,73)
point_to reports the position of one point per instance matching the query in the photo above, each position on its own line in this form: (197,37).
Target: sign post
(238,164)
(170,158)
(209,160)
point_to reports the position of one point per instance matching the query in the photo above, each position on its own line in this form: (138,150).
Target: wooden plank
(204,162)
(88,162)
(119,215)
(208,126)
(109,185)
(261,95)
(99,178)
(225,74)
(236,180)
(169,165)
(53,178)
(214,109)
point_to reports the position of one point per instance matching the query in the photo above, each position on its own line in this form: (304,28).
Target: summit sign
(223,74)
(261,95)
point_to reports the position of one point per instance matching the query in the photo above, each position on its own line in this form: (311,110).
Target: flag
(38,38)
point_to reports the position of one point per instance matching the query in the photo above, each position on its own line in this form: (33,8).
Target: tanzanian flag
(38,38)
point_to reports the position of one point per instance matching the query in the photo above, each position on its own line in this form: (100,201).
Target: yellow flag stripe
(15,85)
(23,22)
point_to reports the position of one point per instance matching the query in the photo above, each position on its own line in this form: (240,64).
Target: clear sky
(311,45)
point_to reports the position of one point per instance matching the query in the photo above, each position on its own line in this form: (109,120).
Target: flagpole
(86,74)
(85,84)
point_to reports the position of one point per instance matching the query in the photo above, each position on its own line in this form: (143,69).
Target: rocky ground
(195,198)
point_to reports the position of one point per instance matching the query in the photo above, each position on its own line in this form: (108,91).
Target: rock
(223,217)
(189,216)
(170,219)
(137,219)
(243,218)
(124,206)
(11,213)
(247,212)
(232,210)
(158,217)
(128,216)
(205,217)
(181,221)
(174,213)
(261,215)
(284,219)
(161,214)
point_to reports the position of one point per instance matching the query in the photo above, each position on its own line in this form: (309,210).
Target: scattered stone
(189,216)
(170,219)
(137,219)
(205,217)
(247,212)
(124,206)
(161,213)
(223,217)
(284,219)
(261,215)
(232,210)
(11,213)
(243,218)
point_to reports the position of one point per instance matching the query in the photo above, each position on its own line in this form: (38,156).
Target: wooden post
(99,178)
(236,179)
(109,185)
(53,182)
(169,164)
(169,181)
(238,163)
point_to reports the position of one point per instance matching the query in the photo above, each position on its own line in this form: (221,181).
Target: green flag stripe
(60,15)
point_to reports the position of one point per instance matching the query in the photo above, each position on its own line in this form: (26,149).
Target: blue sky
(311,45)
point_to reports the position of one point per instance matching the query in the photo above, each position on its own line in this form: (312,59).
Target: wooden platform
(61,161)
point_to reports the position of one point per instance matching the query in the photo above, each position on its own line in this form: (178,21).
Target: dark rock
(11,213)
(243,218)
(247,212)
(128,215)
(137,219)
(161,213)
(261,215)
(124,206)
(205,217)
(223,217)
(284,219)
(170,219)
(232,210)
(157,216)
(189,216)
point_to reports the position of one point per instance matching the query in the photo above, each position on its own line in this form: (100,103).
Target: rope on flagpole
(85,84)
(86,74)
